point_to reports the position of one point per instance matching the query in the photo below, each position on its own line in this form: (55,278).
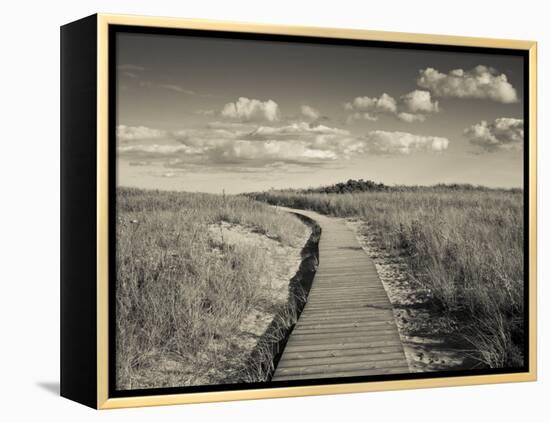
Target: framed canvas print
(255,211)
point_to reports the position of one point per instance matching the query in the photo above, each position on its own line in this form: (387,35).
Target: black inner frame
(112,163)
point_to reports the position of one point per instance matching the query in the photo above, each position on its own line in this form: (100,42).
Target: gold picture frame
(102,303)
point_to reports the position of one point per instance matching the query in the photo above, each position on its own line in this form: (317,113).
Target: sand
(423,331)
(282,263)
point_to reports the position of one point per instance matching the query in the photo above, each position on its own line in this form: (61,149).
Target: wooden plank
(347,291)
(318,296)
(343,307)
(343,352)
(339,283)
(346,272)
(361,311)
(350,268)
(357,321)
(322,299)
(358,333)
(349,336)
(343,297)
(339,367)
(343,302)
(353,373)
(349,339)
(358,287)
(380,300)
(362,356)
(328,328)
(374,314)
(344,323)
(294,346)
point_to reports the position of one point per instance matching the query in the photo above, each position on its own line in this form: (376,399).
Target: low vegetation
(361,185)
(181,293)
(463,246)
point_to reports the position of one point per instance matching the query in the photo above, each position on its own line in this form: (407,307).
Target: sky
(211,114)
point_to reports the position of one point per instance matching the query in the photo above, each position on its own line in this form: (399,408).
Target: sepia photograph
(300,210)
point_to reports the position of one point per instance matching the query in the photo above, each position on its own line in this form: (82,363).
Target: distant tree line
(352,185)
(361,185)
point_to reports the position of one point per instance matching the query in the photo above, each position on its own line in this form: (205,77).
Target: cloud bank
(502,134)
(251,147)
(385,142)
(126,133)
(482,82)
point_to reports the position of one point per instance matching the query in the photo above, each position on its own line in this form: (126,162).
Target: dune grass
(464,247)
(180,295)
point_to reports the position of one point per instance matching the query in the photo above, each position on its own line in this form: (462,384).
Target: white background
(29,166)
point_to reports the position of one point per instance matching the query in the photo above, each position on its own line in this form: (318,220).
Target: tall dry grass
(464,247)
(180,295)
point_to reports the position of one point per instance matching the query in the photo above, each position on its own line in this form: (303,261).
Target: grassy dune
(463,246)
(181,295)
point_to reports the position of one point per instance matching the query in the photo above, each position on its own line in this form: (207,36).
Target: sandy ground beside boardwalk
(423,331)
(282,263)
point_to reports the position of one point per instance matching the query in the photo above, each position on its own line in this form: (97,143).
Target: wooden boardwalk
(347,327)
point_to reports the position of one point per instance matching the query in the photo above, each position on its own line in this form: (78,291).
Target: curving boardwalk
(347,327)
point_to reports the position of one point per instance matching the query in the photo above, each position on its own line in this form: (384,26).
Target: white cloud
(419,101)
(384,142)
(372,105)
(481,82)
(170,87)
(156,150)
(138,133)
(412,107)
(175,88)
(411,117)
(359,116)
(267,151)
(246,110)
(231,125)
(310,112)
(502,134)
(297,130)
